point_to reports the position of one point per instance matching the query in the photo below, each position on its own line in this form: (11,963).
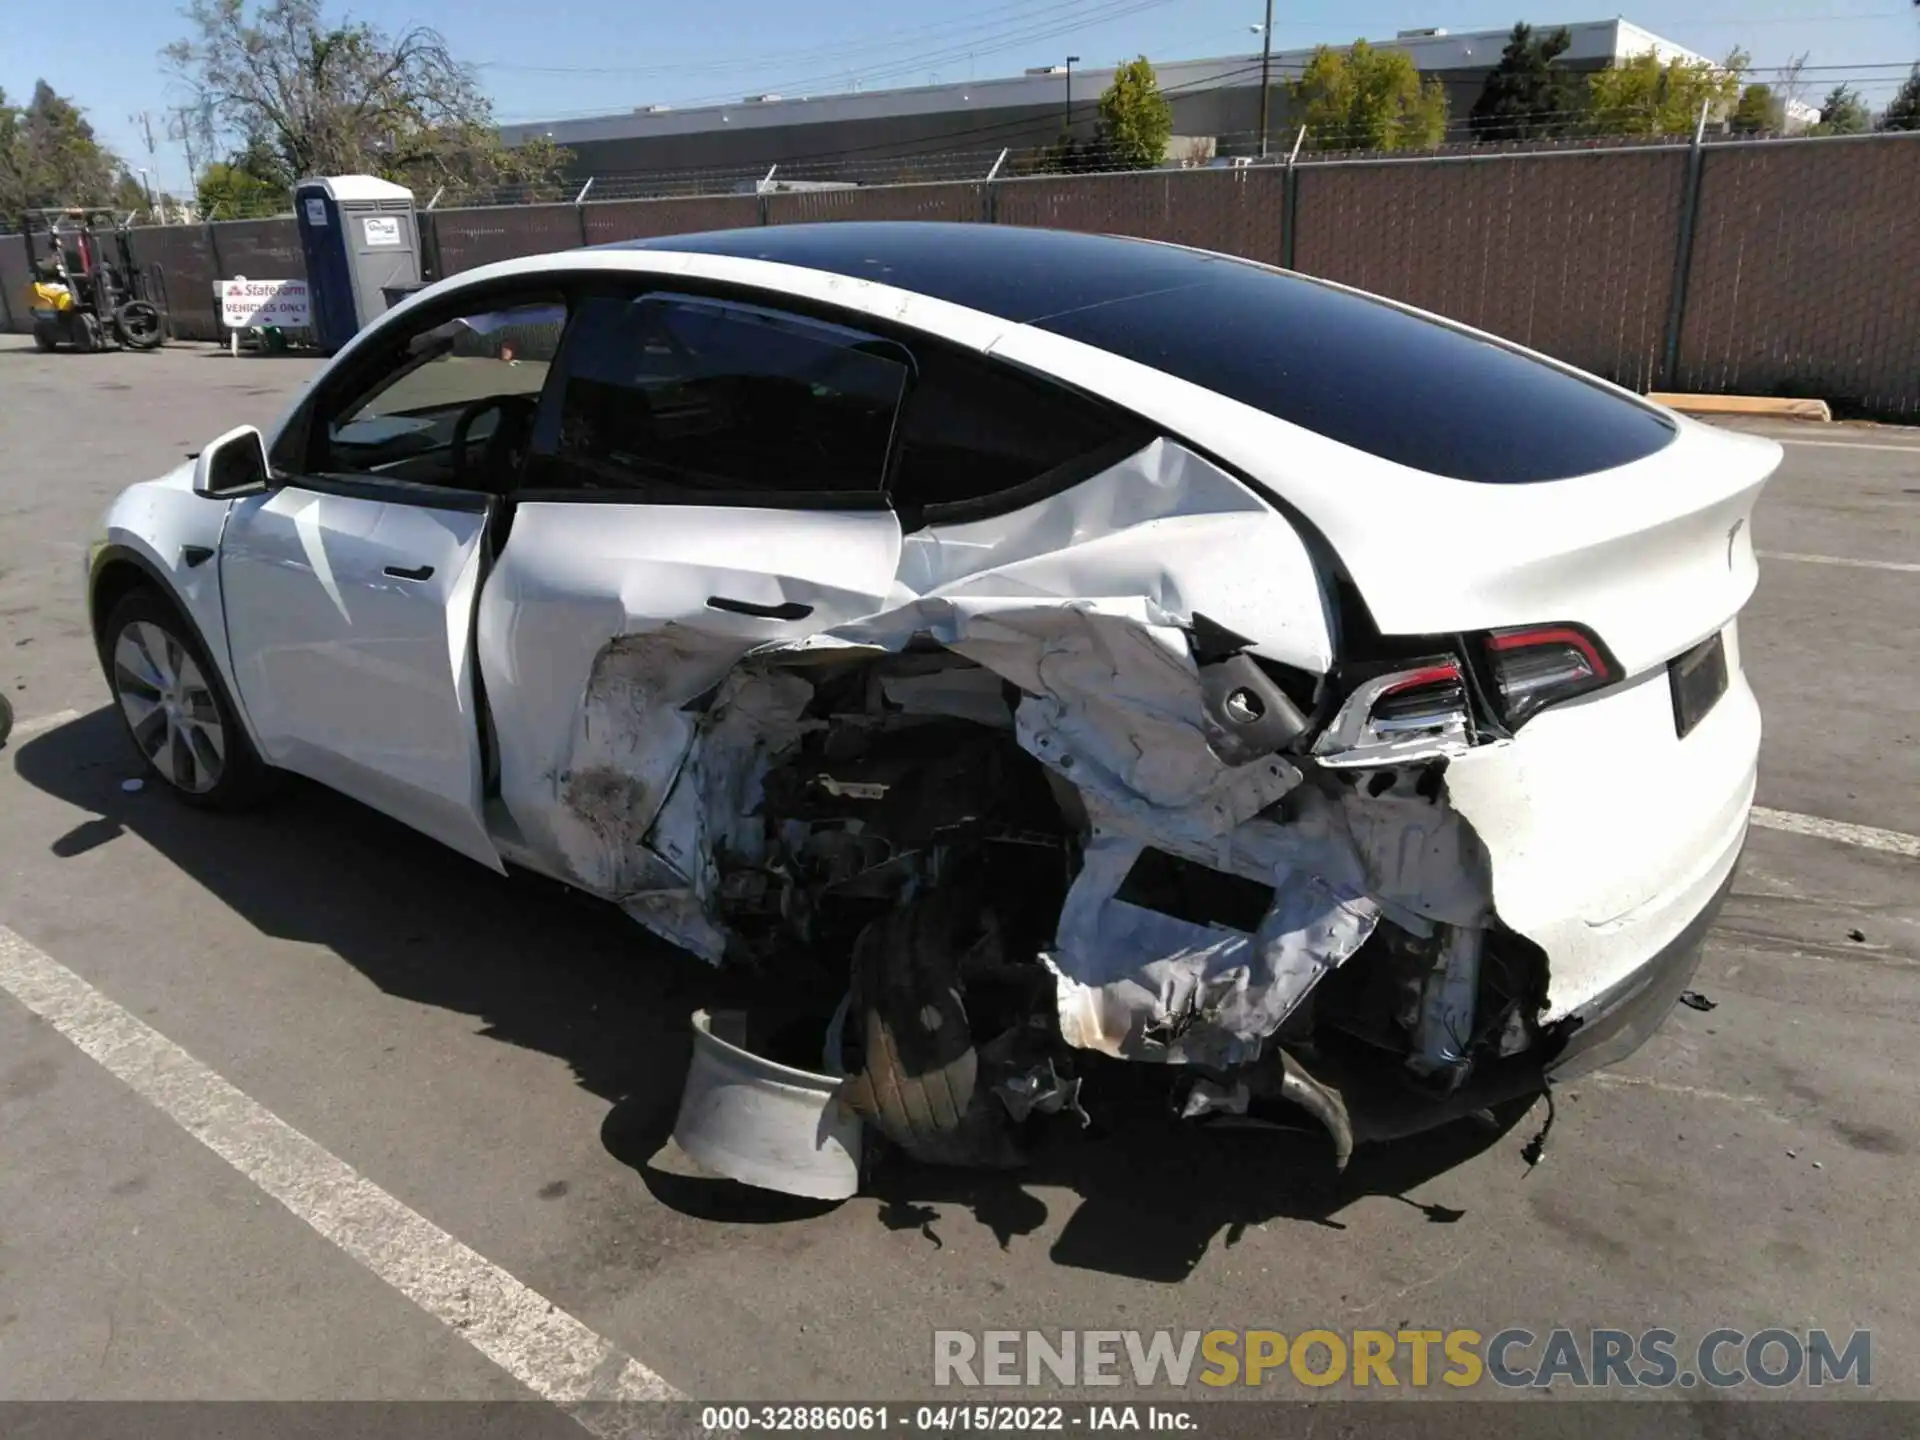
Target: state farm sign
(245,303)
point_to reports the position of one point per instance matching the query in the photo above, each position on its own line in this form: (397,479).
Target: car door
(350,588)
(707,475)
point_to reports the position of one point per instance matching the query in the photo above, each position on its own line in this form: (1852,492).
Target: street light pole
(1266,65)
(1069,124)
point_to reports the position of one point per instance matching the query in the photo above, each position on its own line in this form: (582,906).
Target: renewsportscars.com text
(1596,1359)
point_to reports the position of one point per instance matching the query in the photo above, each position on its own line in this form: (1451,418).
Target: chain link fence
(1792,259)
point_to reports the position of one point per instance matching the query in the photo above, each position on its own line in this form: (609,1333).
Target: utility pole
(1069,124)
(145,121)
(1266,67)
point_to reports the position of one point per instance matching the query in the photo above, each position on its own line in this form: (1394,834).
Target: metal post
(1683,252)
(1290,201)
(989,194)
(436,197)
(1067,128)
(580,209)
(1266,65)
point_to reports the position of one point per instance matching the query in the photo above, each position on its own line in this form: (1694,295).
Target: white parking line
(1894,842)
(1836,560)
(520,1330)
(43,722)
(1847,445)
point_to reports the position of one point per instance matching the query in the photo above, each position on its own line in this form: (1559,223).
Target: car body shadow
(430,926)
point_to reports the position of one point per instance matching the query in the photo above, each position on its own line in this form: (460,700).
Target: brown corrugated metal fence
(15,277)
(180,265)
(964,201)
(1570,253)
(1806,274)
(1802,275)
(464,239)
(258,249)
(605,221)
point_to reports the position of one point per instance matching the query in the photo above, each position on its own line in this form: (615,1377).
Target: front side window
(678,397)
(449,399)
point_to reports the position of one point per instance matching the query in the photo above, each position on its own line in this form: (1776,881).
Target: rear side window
(678,396)
(973,430)
(1395,385)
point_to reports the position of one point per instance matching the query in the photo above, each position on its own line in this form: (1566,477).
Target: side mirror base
(233,465)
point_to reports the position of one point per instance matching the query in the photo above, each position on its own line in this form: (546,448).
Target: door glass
(676,396)
(403,426)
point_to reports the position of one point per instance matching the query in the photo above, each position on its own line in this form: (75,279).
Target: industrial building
(945,131)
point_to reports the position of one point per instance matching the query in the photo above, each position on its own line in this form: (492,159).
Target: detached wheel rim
(169,707)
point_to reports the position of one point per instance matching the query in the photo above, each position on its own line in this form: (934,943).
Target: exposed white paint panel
(1654,556)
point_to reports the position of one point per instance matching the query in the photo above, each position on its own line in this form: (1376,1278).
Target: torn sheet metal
(1084,603)
(629,739)
(1140,985)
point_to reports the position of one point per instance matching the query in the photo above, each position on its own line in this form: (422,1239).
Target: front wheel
(175,708)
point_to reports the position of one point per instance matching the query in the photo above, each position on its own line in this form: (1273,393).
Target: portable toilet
(360,237)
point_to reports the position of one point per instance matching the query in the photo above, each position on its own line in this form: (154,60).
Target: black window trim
(391,490)
(294,450)
(634,287)
(1136,432)
(575,286)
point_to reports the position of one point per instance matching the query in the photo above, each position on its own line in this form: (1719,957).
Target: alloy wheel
(169,707)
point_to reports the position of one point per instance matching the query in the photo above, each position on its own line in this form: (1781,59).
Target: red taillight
(1403,715)
(1542,665)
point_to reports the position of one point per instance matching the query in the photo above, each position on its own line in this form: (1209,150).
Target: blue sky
(543,61)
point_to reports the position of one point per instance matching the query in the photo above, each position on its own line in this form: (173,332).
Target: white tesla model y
(1038,646)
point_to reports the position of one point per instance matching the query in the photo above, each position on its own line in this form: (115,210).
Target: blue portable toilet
(361,237)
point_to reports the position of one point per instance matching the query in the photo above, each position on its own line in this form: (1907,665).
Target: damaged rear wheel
(918,1081)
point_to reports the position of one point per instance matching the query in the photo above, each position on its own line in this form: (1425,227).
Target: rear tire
(175,707)
(86,334)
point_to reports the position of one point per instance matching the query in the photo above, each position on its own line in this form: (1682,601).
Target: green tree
(1526,95)
(279,81)
(1135,119)
(1903,111)
(49,156)
(1843,112)
(1643,96)
(230,190)
(1368,99)
(1759,110)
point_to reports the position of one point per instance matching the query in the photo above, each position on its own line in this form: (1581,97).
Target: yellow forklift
(80,294)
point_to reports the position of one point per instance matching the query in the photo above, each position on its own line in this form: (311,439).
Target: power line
(974,23)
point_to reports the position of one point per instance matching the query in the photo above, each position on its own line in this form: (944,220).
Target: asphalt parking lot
(503,1062)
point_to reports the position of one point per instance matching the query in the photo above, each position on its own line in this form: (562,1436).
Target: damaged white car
(1020,651)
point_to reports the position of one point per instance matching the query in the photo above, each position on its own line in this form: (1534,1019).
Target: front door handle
(789,610)
(419,572)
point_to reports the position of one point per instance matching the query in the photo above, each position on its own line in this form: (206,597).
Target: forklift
(80,295)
